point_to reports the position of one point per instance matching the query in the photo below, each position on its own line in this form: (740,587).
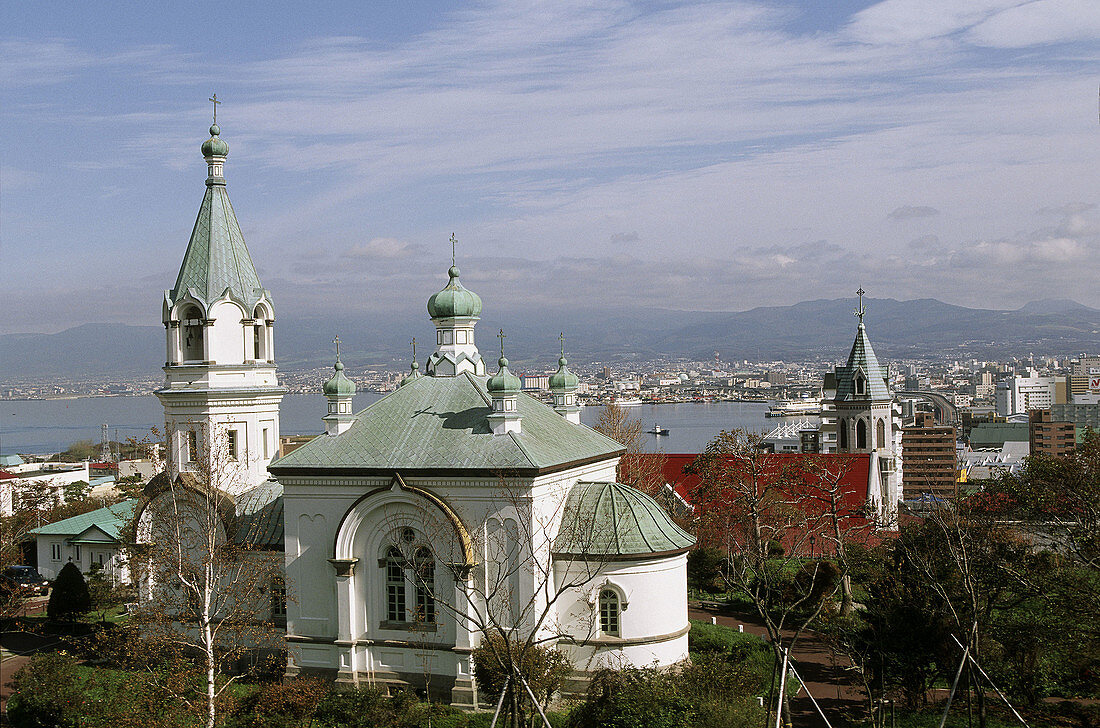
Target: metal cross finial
(214,100)
(454,241)
(337,342)
(561,338)
(501,336)
(861,310)
(414,348)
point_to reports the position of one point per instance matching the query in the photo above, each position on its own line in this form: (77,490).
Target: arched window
(259,334)
(395,585)
(861,434)
(860,385)
(880,434)
(843,434)
(610,613)
(191,334)
(424,564)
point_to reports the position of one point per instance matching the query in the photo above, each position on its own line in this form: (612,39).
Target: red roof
(851,471)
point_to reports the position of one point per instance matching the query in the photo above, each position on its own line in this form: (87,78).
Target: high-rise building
(928,453)
(1047,436)
(1019,394)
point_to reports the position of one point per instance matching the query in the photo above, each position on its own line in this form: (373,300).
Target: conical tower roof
(862,362)
(217,259)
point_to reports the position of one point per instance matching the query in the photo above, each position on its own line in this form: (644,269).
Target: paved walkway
(16,648)
(836,689)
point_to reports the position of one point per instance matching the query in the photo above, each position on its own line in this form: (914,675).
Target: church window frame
(880,433)
(843,434)
(395,585)
(232,444)
(861,434)
(409,579)
(610,609)
(192,334)
(861,385)
(191,446)
(460,336)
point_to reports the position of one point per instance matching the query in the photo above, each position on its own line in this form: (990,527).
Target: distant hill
(924,328)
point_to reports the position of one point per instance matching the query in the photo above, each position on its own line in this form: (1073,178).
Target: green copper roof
(563,379)
(215,147)
(503,382)
(861,362)
(441,423)
(110,520)
(454,300)
(609,520)
(339,385)
(217,258)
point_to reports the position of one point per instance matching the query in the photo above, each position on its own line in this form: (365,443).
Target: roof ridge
(523,450)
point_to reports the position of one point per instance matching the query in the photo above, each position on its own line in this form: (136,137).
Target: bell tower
(220,394)
(859,416)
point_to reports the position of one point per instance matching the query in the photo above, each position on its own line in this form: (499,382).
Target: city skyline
(685,156)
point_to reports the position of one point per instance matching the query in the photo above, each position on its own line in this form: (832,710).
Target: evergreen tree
(70,596)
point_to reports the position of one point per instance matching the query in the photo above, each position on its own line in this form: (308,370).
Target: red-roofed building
(851,471)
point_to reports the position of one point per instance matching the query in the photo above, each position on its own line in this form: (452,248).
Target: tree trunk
(208,643)
(846,598)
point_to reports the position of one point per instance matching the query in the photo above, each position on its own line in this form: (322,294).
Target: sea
(46,426)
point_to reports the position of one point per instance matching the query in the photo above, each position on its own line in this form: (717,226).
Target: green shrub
(279,705)
(47,693)
(633,697)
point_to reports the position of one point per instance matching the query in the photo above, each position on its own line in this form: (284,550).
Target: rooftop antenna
(214,100)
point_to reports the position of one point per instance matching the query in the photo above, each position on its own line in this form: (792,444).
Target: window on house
(76,552)
(278,598)
(609,612)
(424,564)
(395,585)
(55,551)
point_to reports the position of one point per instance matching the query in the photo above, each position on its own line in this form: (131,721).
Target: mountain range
(916,329)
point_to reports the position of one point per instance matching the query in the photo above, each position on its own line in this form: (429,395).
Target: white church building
(454,506)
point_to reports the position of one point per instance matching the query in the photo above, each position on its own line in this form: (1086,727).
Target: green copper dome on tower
(414,372)
(215,146)
(503,382)
(454,301)
(339,385)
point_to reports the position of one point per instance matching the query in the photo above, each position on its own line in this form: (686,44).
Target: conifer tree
(70,596)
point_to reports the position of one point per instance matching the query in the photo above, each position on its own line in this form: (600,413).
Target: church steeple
(455,312)
(563,386)
(221,394)
(339,391)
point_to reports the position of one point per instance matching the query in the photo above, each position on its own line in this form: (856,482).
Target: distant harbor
(45,426)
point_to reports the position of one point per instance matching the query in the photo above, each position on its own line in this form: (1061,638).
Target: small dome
(454,301)
(612,520)
(563,378)
(215,147)
(413,374)
(504,382)
(339,385)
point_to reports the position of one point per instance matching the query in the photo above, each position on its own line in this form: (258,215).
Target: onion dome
(454,301)
(504,382)
(563,378)
(413,374)
(339,385)
(614,521)
(215,146)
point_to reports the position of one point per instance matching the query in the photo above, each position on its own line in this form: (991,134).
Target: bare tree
(638,467)
(209,575)
(751,505)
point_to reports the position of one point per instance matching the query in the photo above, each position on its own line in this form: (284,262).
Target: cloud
(1070,208)
(631,237)
(384,249)
(908,212)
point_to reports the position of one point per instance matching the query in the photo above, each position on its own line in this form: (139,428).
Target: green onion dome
(339,385)
(215,147)
(615,521)
(413,374)
(504,382)
(563,378)
(454,301)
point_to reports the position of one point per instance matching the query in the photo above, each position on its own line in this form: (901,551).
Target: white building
(1017,395)
(90,538)
(458,505)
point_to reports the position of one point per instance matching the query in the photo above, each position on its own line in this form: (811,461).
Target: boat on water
(657,430)
(634,402)
(795,408)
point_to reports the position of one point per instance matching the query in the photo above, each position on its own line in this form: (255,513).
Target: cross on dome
(502,336)
(214,100)
(337,342)
(861,310)
(561,338)
(454,241)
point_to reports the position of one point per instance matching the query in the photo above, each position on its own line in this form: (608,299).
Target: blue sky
(714,156)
